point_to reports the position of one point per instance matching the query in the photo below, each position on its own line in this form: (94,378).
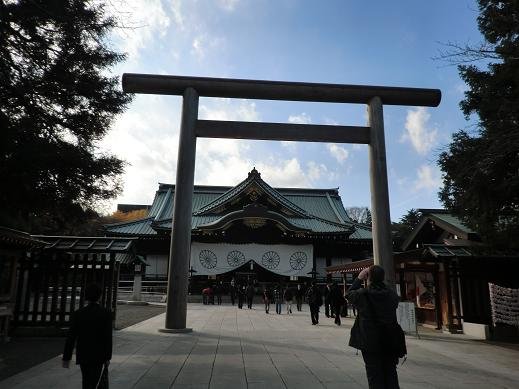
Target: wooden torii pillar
(191,128)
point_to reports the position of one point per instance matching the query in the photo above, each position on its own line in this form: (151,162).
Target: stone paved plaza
(232,348)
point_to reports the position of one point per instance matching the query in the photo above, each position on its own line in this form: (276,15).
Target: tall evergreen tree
(407,223)
(481,170)
(57,101)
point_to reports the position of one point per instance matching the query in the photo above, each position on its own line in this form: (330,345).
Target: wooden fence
(50,286)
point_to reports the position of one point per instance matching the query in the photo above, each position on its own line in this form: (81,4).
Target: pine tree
(406,223)
(481,170)
(57,101)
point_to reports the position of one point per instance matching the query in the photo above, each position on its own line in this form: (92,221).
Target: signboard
(406,317)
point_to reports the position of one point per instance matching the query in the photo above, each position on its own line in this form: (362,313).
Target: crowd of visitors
(240,292)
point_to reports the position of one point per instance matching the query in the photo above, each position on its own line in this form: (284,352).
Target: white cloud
(338,152)
(224,161)
(202,44)
(289,145)
(300,119)
(146,137)
(330,122)
(418,133)
(146,20)
(228,5)
(176,10)
(283,173)
(427,178)
(319,171)
(227,109)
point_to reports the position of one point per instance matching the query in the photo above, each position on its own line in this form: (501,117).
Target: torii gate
(191,128)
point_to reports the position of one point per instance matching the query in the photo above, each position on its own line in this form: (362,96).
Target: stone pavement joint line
(232,349)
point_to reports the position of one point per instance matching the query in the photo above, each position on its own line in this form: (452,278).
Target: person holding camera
(376,331)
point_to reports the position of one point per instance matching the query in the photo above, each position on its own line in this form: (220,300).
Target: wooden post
(181,225)
(450,324)
(382,241)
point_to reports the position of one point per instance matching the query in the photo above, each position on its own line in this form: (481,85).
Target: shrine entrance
(191,88)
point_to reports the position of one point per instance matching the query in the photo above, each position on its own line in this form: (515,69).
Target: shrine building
(253,230)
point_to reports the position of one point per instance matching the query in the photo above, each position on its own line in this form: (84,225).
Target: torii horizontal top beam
(279,90)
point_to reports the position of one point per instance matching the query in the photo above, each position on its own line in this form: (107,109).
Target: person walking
(232,291)
(327,300)
(337,301)
(250,295)
(315,300)
(288,296)
(218,290)
(205,296)
(278,299)
(299,297)
(267,299)
(376,331)
(91,334)
(241,295)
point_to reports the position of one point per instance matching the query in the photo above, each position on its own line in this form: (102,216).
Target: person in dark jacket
(91,334)
(376,305)
(218,291)
(250,295)
(232,291)
(241,295)
(299,297)
(267,298)
(278,298)
(327,301)
(336,301)
(315,300)
(288,296)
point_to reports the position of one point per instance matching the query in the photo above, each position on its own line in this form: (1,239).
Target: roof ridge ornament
(254,173)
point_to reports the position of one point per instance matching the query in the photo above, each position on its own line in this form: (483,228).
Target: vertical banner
(505,305)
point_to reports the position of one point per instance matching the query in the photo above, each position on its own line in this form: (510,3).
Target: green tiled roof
(439,250)
(454,221)
(253,178)
(137,227)
(318,210)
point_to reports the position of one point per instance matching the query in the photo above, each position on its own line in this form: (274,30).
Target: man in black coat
(327,301)
(336,301)
(315,300)
(299,296)
(91,334)
(232,291)
(376,306)
(250,295)
(241,295)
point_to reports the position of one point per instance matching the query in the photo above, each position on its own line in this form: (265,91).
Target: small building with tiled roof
(448,273)
(273,233)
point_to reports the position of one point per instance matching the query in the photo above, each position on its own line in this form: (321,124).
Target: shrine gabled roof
(318,210)
(254,178)
(446,221)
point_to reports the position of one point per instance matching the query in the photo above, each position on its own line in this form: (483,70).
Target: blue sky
(350,42)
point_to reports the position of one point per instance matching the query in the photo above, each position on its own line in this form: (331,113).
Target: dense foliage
(405,225)
(57,101)
(481,169)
